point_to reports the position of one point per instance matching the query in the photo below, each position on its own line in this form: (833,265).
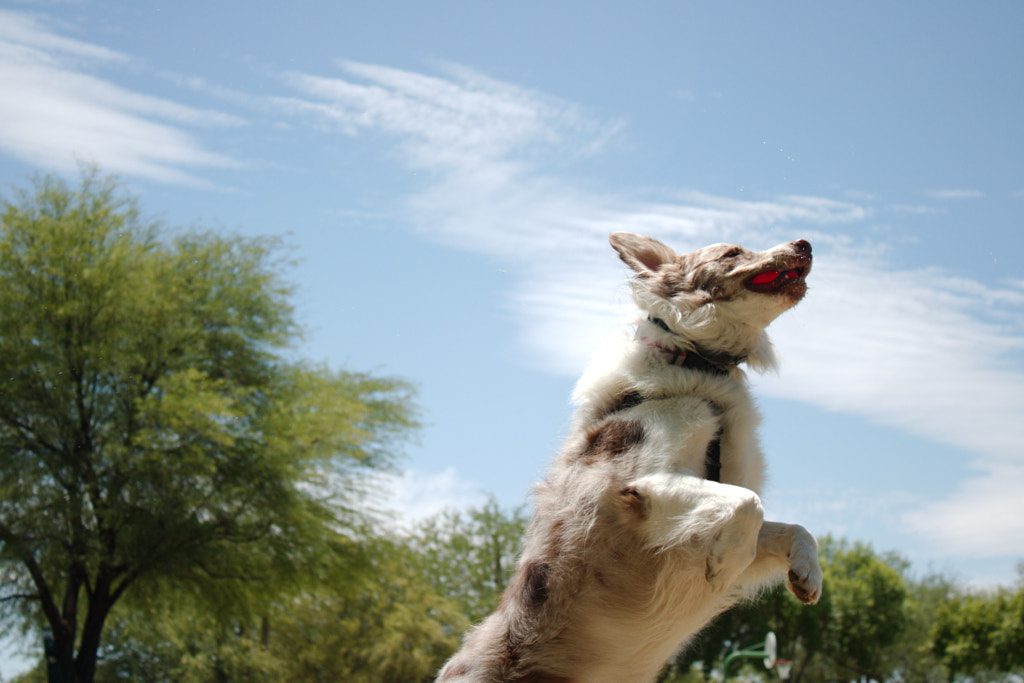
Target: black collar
(702,361)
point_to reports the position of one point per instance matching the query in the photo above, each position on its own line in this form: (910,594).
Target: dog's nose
(803,246)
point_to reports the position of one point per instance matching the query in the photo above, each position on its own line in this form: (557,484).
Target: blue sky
(448,173)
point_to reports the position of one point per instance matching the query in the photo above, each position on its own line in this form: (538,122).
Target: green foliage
(387,624)
(912,654)
(472,555)
(387,610)
(865,605)
(981,634)
(184,642)
(873,621)
(151,424)
(377,620)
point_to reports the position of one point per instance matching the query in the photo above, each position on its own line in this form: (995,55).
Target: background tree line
(400,605)
(182,500)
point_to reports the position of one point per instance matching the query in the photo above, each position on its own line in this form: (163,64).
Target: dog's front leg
(683,510)
(788,548)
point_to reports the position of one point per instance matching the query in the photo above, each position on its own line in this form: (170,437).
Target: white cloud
(955,194)
(464,122)
(921,350)
(22,29)
(982,518)
(55,114)
(412,496)
(918,350)
(919,209)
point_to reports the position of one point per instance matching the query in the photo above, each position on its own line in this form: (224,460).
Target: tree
(981,634)
(178,638)
(865,608)
(377,620)
(912,653)
(387,624)
(394,608)
(152,426)
(472,555)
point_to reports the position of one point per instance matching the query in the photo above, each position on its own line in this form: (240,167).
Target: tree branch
(45,595)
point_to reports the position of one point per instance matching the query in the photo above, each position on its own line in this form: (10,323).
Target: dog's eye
(732,253)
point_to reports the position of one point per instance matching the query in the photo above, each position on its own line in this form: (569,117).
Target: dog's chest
(681,434)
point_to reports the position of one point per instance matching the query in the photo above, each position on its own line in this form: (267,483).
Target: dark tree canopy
(153,424)
(981,634)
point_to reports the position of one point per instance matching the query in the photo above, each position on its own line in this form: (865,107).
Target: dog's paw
(804,579)
(735,545)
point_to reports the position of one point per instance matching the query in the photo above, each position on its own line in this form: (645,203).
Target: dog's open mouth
(771,281)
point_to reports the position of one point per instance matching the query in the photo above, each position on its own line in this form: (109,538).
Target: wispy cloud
(982,518)
(918,209)
(924,351)
(954,194)
(412,496)
(446,124)
(22,29)
(905,349)
(55,113)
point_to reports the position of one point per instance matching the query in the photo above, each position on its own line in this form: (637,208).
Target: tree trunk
(64,646)
(64,632)
(100,603)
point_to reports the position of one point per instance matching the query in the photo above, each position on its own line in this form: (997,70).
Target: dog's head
(719,298)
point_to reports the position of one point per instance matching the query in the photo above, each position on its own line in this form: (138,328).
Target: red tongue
(765,278)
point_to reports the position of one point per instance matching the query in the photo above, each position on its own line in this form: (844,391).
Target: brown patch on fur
(535,587)
(612,438)
(632,501)
(695,277)
(643,254)
(510,653)
(671,280)
(514,669)
(529,586)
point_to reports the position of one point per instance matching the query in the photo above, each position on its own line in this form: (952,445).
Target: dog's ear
(643,254)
